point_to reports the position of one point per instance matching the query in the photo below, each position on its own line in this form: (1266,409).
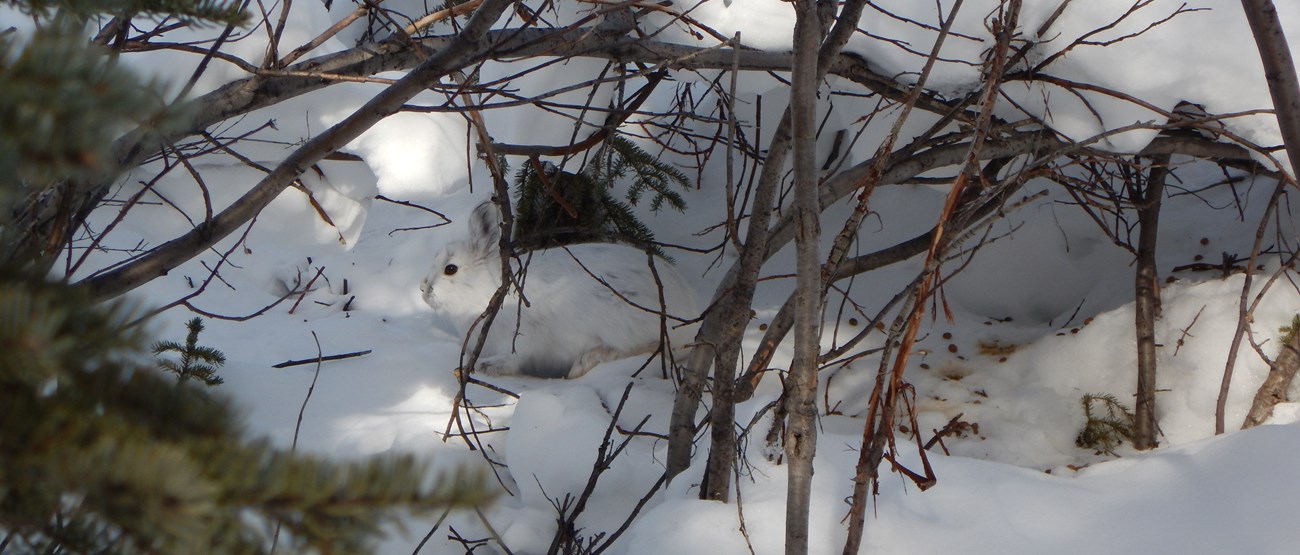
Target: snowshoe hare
(567,321)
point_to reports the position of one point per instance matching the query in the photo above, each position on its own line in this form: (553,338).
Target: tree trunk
(1284,87)
(1147,292)
(718,345)
(800,441)
(718,341)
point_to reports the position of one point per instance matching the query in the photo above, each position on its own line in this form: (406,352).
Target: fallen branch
(313,360)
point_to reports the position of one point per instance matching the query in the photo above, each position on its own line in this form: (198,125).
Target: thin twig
(307,289)
(319,359)
(298,426)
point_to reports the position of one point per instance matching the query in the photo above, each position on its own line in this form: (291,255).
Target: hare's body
(581,305)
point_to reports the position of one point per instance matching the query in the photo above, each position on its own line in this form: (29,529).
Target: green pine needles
(40,103)
(99,454)
(1288,331)
(649,174)
(60,120)
(555,207)
(99,451)
(228,12)
(1107,423)
(560,208)
(196,361)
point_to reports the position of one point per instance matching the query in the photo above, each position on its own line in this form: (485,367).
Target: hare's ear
(485,228)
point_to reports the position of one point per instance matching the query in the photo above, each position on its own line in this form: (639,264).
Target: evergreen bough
(215,11)
(61,118)
(69,99)
(562,208)
(197,361)
(649,174)
(1106,428)
(100,452)
(1290,329)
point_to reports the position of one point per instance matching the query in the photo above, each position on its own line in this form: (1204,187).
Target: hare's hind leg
(605,353)
(500,365)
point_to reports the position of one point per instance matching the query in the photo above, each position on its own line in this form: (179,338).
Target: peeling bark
(1274,390)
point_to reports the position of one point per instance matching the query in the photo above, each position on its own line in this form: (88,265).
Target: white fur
(567,321)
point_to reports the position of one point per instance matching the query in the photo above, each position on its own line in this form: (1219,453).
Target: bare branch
(467,48)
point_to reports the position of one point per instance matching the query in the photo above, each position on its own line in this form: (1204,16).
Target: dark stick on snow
(289,363)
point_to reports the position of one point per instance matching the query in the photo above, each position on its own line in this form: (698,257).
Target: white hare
(567,320)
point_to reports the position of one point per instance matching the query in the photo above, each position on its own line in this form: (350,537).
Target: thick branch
(40,218)
(467,48)
(1279,71)
(246,95)
(1274,390)
(1284,87)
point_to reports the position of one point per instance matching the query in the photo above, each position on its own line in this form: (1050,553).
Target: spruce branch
(196,361)
(1106,428)
(554,207)
(98,455)
(63,114)
(227,12)
(649,173)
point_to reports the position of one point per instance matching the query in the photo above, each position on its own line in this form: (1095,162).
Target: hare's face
(461,280)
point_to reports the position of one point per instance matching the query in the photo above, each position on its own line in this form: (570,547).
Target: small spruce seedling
(1288,331)
(197,361)
(1107,428)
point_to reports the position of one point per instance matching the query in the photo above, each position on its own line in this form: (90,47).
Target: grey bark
(800,441)
(1147,291)
(1279,70)
(49,218)
(1281,374)
(1284,87)
(465,49)
(717,344)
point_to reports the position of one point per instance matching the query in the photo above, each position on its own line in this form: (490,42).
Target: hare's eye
(450,270)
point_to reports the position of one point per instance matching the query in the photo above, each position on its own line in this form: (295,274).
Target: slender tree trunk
(718,345)
(801,385)
(1148,302)
(718,341)
(1284,87)
(882,406)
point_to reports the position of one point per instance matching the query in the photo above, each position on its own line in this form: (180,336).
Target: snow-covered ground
(1041,317)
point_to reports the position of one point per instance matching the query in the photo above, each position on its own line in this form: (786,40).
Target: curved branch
(465,49)
(45,223)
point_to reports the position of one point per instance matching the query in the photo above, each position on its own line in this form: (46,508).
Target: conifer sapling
(197,361)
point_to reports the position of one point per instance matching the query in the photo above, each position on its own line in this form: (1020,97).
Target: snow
(412,153)
(1206,497)
(1052,291)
